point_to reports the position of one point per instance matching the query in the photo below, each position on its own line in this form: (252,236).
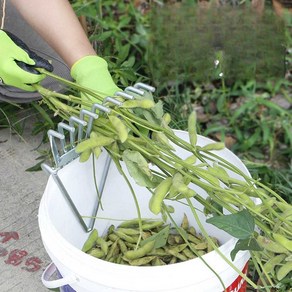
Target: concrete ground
(22,255)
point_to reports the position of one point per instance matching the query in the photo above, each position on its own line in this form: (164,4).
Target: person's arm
(57,23)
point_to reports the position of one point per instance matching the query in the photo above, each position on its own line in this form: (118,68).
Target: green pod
(113,251)
(162,139)
(103,244)
(158,196)
(177,248)
(141,261)
(125,237)
(213,146)
(188,253)
(119,127)
(111,229)
(260,208)
(201,246)
(283,206)
(189,193)
(144,103)
(129,231)
(113,237)
(178,255)
(270,265)
(97,253)
(84,156)
(209,248)
(102,141)
(192,128)
(283,241)
(191,159)
(97,152)
(192,231)
(140,252)
(157,262)
(270,245)
(185,222)
(173,260)
(193,239)
(160,252)
(131,223)
(287,214)
(166,119)
(178,182)
(91,240)
(86,145)
(284,270)
(178,239)
(130,245)
(123,246)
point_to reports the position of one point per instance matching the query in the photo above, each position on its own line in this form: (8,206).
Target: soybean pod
(140,252)
(159,194)
(192,128)
(120,128)
(91,240)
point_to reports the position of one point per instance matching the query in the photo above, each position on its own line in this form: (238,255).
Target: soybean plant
(138,133)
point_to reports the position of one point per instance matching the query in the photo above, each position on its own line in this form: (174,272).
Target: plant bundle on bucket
(137,133)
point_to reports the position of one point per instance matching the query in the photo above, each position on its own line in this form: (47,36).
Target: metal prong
(145,86)
(52,135)
(124,95)
(63,190)
(81,125)
(92,116)
(101,108)
(61,127)
(134,90)
(112,100)
(47,169)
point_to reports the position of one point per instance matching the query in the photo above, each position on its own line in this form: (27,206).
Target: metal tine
(101,108)
(52,136)
(58,181)
(134,90)
(124,95)
(112,100)
(92,116)
(61,127)
(144,86)
(81,125)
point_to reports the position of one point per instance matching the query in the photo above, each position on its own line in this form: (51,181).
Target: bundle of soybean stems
(137,133)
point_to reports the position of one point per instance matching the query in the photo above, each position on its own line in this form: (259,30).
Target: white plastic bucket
(63,236)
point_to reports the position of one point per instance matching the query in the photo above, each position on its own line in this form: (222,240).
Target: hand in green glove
(18,63)
(92,72)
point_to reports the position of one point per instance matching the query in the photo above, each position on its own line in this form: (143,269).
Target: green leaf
(245,244)
(240,225)
(129,63)
(138,168)
(158,110)
(123,52)
(160,238)
(101,37)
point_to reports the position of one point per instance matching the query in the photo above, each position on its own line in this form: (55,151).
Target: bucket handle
(47,274)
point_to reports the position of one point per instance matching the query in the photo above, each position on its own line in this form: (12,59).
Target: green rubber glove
(92,72)
(18,63)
